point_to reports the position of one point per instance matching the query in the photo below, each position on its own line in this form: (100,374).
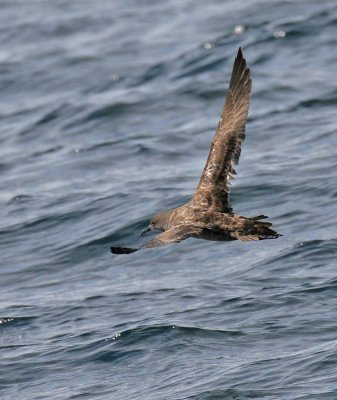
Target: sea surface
(107,111)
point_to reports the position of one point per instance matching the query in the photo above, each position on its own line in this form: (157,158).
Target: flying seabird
(209,214)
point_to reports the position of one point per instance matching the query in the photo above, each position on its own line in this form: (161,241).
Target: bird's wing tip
(240,54)
(122,250)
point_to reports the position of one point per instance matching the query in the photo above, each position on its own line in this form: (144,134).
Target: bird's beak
(147,229)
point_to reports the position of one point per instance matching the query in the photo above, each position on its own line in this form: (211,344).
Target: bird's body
(209,215)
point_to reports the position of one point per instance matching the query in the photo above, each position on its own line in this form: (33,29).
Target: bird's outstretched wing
(173,235)
(214,186)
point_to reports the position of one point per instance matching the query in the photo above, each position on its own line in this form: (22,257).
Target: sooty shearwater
(209,214)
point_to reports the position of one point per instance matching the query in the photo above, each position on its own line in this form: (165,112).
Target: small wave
(20,198)
(310,250)
(232,394)
(111,111)
(141,333)
(329,99)
(198,65)
(48,150)
(10,321)
(153,72)
(50,116)
(4,321)
(136,341)
(4,167)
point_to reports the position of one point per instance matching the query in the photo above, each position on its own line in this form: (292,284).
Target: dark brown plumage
(209,215)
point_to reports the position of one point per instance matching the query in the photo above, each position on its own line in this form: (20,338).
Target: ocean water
(107,112)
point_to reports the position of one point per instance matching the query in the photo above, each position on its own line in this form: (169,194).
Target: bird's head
(157,222)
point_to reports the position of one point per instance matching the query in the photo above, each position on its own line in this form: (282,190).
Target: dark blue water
(107,112)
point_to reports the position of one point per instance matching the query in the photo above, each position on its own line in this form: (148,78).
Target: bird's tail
(255,229)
